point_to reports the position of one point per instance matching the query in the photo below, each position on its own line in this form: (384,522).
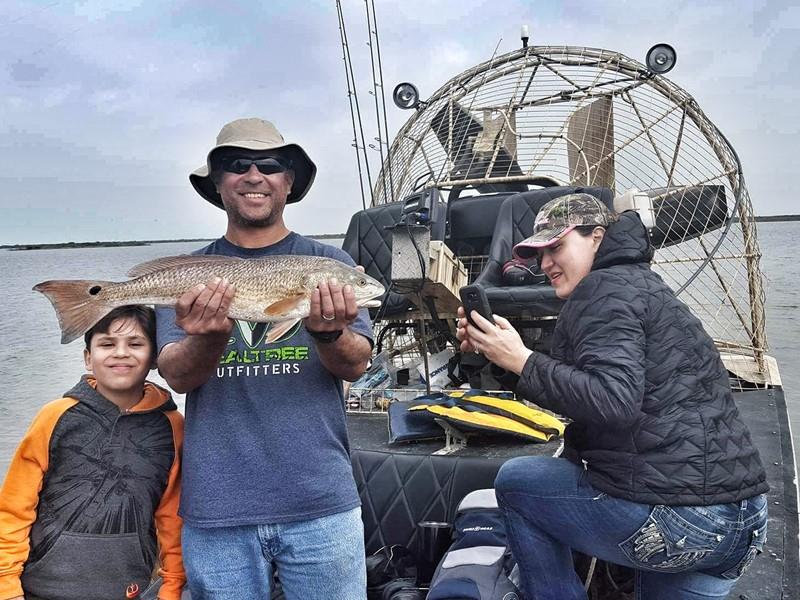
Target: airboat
(461,183)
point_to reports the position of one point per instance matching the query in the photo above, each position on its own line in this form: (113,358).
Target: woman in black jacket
(660,472)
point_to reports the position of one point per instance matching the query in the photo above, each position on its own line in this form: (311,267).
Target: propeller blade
(470,147)
(591,128)
(682,213)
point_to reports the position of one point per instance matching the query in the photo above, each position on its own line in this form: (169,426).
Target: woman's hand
(462,334)
(499,342)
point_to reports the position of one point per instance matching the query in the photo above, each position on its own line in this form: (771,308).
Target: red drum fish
(272,289)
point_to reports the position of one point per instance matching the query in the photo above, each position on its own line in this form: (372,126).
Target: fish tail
(78,304)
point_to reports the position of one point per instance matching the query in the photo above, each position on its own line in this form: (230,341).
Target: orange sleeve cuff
(10,586)
(19,496)
(168,523)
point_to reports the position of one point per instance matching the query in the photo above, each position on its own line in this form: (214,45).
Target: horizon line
(321,236)
(100,243)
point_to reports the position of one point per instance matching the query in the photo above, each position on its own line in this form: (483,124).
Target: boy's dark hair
(143,315)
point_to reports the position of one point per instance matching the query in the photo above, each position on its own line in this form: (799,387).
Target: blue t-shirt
(265,436)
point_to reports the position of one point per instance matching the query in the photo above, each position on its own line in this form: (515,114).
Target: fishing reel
(403,589)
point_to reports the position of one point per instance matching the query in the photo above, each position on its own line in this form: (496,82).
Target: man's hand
(333,307)
(203,310)
(202,313)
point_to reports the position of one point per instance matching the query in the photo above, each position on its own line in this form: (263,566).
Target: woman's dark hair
(143,315)
(583,230)
(586,230)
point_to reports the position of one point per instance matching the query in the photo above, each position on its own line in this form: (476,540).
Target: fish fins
(78,304)
(282,307)
(173,262)
(279,329)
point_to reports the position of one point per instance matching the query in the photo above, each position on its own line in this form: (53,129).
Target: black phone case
(473,297)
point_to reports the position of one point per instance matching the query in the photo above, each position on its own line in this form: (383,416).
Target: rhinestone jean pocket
(667,542)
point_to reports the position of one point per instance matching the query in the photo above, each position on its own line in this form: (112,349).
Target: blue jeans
(679,552)
(317,559)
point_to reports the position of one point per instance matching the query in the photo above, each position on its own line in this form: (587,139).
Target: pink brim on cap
(526,249)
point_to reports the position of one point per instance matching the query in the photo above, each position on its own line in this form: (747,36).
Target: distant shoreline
(68,245)
(322,236)
(774,218)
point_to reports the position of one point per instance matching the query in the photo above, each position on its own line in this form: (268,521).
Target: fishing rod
(380,98)
(355,111)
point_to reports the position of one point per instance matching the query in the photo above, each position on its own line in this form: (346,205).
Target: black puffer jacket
(654,419)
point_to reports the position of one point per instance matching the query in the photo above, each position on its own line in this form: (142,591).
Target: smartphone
(473,297)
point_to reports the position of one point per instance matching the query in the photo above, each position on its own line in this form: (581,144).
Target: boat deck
(773,575)
(776,573)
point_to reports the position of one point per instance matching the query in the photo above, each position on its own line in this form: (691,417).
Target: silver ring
(328,318)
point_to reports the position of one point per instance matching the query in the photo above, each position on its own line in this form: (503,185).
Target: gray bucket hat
(256,134)
(560,216)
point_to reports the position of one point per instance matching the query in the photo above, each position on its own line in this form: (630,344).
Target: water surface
(35,368)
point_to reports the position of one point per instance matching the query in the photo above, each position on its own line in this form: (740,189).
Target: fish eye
(362,282)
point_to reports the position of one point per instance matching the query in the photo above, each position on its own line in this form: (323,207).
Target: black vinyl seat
(514,224)
(369,243)
(399,490)
(471,221)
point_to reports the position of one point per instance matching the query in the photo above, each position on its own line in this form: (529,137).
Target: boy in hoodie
(92,491)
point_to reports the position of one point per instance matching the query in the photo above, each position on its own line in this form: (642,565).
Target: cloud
(107,105)
(26,74)
(99,10)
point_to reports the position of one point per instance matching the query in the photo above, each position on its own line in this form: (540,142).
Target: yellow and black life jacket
(480,411)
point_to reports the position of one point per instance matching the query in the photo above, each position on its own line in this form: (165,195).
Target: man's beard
(246,223)
(239,219)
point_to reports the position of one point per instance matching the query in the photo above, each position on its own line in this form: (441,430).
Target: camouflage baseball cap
(560,216)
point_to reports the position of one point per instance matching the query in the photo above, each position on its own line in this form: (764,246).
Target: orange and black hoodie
(91,498)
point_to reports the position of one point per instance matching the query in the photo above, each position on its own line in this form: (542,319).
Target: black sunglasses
(240,165)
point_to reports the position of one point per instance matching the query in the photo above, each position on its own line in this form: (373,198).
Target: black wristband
(325,337)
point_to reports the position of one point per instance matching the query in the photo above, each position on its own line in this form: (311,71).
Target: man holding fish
(267,476)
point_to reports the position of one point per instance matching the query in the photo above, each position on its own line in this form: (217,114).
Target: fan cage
(585,116)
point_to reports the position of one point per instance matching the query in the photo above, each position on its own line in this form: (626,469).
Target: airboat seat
(399,490)
(514,224)
(471,221)
(369,243)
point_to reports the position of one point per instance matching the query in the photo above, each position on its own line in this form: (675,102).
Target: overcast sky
(107,105)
